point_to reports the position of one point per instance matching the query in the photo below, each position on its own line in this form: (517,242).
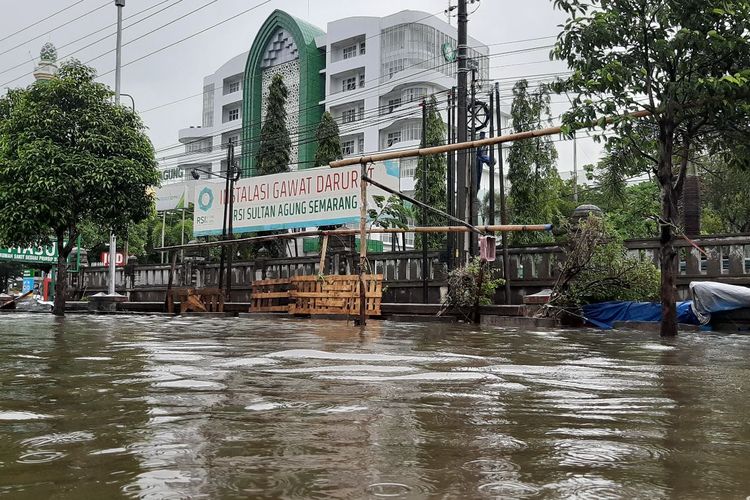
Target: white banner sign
(173,196)
(306,198)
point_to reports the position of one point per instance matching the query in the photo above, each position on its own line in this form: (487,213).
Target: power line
(94,33)
(360,94)
(41,20)
(191,36)
(55,28)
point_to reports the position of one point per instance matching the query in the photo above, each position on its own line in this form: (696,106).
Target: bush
(472,285)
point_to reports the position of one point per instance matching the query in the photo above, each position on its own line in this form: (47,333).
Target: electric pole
(118,69)
(462,167)
(575,169)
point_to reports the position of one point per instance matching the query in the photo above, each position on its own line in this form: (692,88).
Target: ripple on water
(600,453)
(509,488)
(388,490)
(190,384)
(22,415)
(40,457)
(593,487)
(351,356)
(60,438)
(417,377)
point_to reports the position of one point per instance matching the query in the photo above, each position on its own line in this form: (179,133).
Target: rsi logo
(205,199)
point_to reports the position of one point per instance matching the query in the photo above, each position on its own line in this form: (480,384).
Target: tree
(726,204)
(275,145)
(435,167)
(534,181)
(685,62)
(69,154)
(329,142)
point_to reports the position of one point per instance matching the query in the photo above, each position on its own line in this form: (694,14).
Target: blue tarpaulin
(604,314)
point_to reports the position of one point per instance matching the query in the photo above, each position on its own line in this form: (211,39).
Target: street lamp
(232,175)
(132,101)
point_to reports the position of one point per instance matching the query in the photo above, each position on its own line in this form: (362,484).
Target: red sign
(119,259)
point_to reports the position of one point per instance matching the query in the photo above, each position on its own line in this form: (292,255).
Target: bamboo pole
(362,242)
(323,254)
(374,230)
(459,146)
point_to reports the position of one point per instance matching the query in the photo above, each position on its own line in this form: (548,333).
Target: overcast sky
(177,72)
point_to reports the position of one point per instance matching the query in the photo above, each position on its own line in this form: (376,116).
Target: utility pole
(503,216)
(575,170)
(425,265)
(462,167)
(118,70)
(227,194)
(476,165)
(451,174)
(491,215)
(230,202)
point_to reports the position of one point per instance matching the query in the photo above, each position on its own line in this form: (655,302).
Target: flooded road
(151,407)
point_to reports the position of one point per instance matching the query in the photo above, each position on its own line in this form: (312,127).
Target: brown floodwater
(151,407)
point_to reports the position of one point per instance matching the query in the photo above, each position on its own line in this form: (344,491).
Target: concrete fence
(532,269)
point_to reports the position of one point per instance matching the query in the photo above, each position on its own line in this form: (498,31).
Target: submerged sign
(36,255)
(305,198)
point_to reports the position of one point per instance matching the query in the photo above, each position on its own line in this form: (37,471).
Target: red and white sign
(119,259)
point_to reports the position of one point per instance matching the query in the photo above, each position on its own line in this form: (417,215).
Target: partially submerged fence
(531,270)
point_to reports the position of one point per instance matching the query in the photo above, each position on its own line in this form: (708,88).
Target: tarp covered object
(710,297)
(604,314)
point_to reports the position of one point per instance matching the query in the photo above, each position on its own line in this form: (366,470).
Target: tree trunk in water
(61,283)
(668,257)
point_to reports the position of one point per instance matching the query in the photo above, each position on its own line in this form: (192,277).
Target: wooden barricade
(335,295)
(196,300)
(270,295)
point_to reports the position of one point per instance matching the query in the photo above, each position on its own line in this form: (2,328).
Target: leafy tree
(534,181)
(69,154)
(686,62)
(726,203)
(275,145)
(329,142)
(435,166)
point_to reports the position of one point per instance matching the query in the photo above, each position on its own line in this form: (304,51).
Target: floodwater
(152,407)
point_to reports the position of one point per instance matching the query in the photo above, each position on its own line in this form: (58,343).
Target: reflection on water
(101,407)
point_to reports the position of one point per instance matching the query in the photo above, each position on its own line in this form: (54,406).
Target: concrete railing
(532,269)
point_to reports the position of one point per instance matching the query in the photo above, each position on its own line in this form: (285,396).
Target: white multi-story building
(221,122)
(370,73)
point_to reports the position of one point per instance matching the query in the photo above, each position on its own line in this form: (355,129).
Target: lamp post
(232,175)
(118,70)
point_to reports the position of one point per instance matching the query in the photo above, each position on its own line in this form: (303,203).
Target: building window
(361,48)
(412,131)
(234,114)
(393,104)
(392,67)
(347,148)
(350,52)
(361,145)
(234,139)
(349,115)
(393,138)
(349,83)
(414,93)
(208,106)
(361,112)
(408,167)
(361,80)
(234,87)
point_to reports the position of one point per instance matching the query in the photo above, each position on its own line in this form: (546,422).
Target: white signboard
(173,196)
(306,198)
